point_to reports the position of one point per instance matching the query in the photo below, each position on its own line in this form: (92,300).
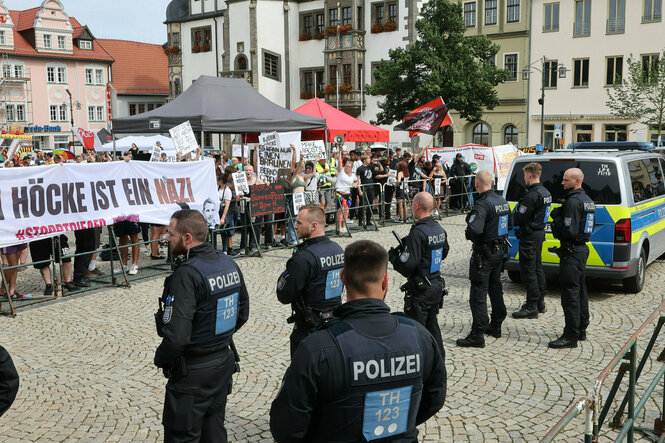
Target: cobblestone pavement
(87,375)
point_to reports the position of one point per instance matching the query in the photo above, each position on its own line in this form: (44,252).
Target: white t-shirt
(224,195)
(356,165)
(313,182)
(344,181)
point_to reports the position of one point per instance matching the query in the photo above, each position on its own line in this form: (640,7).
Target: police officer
(572,224)
(9,381)
(487,227)
(419,259)
(204,302)
(531,215)
(311,282)
(371,375)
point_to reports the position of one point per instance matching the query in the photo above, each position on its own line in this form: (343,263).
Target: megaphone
(339,139)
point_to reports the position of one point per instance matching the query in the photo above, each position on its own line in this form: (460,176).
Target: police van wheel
(635,284)
(515,276)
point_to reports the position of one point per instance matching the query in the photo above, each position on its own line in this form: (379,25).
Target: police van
(625,180)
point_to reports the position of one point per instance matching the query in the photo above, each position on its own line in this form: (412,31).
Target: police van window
(656,174)
(640,179)
(601,182)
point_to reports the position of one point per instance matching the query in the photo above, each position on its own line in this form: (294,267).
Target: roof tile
(139,68)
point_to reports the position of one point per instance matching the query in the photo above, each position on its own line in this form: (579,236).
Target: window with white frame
(19,71)
(94,76)
(551,22)
(490,12)
(550,73)
(62,111)
(470,14)
(58,113)
(3,38)
(13,70)
(61,74)
(582,27)
(653,11)
(47,41)
(62,42)
(85,44)
(60,142)
(616,17)
(99,76)
(95,113)
(10,113)
(50,74)
(513,15)
(510,63)
(20,113)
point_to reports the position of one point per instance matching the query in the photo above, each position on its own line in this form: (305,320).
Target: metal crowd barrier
(597,408)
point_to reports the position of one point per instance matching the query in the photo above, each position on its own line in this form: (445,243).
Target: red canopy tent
(338,122)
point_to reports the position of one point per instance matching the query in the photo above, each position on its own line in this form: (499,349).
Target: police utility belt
(489,248)
(420,283)
(307,317)
(566,249)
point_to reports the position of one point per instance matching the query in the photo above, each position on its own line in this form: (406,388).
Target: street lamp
(71,113)
(541,101)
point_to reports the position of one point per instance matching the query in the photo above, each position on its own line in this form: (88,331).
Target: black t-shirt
(134,153)
(366,173)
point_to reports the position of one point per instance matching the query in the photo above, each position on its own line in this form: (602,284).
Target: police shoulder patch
(282,281)
(522,209)
(168,314)
(567,221)
(404,256)
(472,217)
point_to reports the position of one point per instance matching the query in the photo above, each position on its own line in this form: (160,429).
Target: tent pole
(113,137)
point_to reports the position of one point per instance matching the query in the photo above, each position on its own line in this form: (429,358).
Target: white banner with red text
(40,202)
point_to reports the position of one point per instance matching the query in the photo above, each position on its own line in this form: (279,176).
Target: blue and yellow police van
(626,182)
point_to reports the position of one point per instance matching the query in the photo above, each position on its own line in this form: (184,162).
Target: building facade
(507,23)
(53,72)
(593,41)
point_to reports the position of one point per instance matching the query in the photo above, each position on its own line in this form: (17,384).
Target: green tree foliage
(641,93)
(442,62)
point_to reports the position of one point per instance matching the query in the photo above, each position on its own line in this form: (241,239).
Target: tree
(442,62)
(640,95)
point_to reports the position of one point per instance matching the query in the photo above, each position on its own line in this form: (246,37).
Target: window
(616,20)
(3,38)
(99,76)
(58,113)
(20,113)
(581,72)
(61,75)
(307,24)
(616,133)
(490,12)
(614,70)
(582,27)
(470,14)
(95,113)
(649,67)
(652,10)
(373,67)
(175,39)
(392,12)
(492,60)
(346,73)
(320,22)
(62,42)
(653,136)
(332,74)
(510,63)
(378,14)
(53,113)
(646,178)
(47,41)
(583,133)
(334,19)
(346,15)
(50,74)
(551,73)
(513,15)
(271,66)
(241,63)
(18,71)
(89,76)
(10,70)
(94,76)
(85,44)
(62,111)
(549,137)
(60,142)
(312,84)
(551,22)
(201,38)
(481,135)
(312,22)
(510,135)
(10,113)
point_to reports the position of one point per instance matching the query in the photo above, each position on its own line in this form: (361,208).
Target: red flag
(427,119)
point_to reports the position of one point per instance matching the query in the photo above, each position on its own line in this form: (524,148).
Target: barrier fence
(597,408)
(250,228)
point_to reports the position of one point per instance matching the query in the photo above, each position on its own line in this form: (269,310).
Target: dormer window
(62,42)
(47,41)
(85,44)
(3,38)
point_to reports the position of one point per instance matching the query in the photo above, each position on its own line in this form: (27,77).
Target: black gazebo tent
(219,105)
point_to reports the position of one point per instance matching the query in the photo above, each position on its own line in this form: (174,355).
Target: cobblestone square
(87,375)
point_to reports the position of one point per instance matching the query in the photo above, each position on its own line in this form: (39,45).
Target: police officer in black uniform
(487,227)
(311,282)
(9,381)
(204,302)
(419,259)
(371,376)
(573,224)
(531,215)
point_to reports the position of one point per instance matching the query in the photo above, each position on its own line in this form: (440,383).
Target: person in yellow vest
(327,168)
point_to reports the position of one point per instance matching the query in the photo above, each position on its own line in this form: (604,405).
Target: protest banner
(437,186)
(183,138)
(245,151)
(272,157)
(69,197)
(236,150)
(311,150)
(266,199)
(298,202)
(240,183)
(503,158)
(392,178)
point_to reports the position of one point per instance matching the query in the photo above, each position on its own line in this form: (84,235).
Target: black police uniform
(573,224)
(372,376)
(487,227)
(9,381)
(204,302)
(312,284)
(420,261)
(531,215)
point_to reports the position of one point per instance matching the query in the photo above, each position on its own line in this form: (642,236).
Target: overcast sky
(139,20)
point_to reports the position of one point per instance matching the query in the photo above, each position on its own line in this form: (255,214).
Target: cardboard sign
(298,202)
(183,138)
(437,186)
(392,178)
(266,199)
(245,151)
(237,151)
(272,157)
(240,183)
(312,150)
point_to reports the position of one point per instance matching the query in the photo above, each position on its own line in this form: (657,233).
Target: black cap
(436,156)
(459,155)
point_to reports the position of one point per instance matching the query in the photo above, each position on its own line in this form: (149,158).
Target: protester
(127,229)
(346,180)
(402,186)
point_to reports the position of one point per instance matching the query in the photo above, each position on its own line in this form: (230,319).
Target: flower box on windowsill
(331,30)
(306,95)
(196,49)
(318,36)
(345,28)
(390,26)
(376,28)
(305,37)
